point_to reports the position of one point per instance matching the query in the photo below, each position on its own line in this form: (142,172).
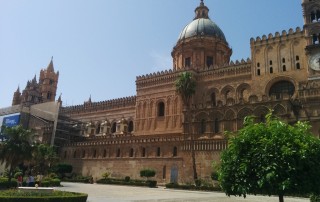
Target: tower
(48,83)
(311,15)
(16,97)
(201,44)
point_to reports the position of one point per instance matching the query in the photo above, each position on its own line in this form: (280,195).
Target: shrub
(315,198)
(198,182)
(151,183)
(214,176)
(127,179)
(147,173)
(61,196)
(4,183)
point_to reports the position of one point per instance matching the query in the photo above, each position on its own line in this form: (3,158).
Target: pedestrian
(19,180)
(31,181)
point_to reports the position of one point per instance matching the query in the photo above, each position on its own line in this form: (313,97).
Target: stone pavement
(114,193)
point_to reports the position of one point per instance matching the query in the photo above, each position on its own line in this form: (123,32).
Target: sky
(100,46)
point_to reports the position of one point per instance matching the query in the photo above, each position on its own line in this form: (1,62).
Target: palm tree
(186,87)
(17,148)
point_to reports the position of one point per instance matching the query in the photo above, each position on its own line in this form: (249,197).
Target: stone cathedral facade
(125,135)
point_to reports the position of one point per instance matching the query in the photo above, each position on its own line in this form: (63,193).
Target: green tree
(17,148)
(147,173)
(44,157)
(272,158)
(186,88)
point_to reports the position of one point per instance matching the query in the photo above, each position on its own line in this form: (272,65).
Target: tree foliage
(44,156)
(147,173)
(17,148)
(272,158)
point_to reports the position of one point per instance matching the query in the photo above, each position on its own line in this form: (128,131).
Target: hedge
(148,183)
(192,187)
(56,196)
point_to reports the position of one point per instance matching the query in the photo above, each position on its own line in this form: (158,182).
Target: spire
(89,101)
(18,89)
(59,99)
(50,66)
(201,11)
(34,80)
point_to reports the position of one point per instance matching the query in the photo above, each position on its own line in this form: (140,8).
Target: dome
(202,27)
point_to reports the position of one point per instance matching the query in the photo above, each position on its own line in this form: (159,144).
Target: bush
(147,173)
(148,183)
(198,182)
(214,176)
(127,179)
(78,178)
(151,183)
(4,184)
(48,182)
(192,187)
(56,196)
(315,198)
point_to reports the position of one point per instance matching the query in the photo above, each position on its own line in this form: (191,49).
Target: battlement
(277,36)
(103,105)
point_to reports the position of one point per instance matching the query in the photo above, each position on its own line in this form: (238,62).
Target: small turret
(16,97)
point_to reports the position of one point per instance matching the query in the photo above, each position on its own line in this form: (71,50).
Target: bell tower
(48,83)
(311,15)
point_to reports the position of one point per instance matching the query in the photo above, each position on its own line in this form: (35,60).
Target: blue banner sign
(11,121)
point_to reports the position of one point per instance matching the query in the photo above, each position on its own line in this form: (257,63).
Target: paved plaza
(113,193)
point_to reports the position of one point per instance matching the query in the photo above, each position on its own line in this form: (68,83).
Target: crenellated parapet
(157,78)
(234,68)
(277,37)
(102,105)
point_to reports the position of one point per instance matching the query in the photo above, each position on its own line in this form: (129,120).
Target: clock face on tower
(314,61)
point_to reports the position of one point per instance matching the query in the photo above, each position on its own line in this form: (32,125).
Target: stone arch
(279,109)
(212,96)
(243,92)
(229,118)
(241,115)
(161,107)
(260,113)
(253,99)
(227,92)
(279,79)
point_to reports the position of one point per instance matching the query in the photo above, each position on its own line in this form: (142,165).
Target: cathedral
(150,130)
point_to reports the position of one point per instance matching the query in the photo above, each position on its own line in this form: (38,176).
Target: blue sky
(100,46)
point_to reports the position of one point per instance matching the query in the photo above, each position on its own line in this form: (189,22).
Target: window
(158,151)
(216,125)
(280,88)
(161,109)
(258,72)
(118,152)
(209,61)
(143,153)
(175,151)
(130,128)
(213,99)
(270,62)
(74,154)
(83,153)
(104,153)
(271,70)
(49,95)
(187,62)
(297,58)
(164,172)
(131,152)
(258,64)
(51,82)
(298,65)
(94,154)
(114,127)
(98,129)
(284,68)
(283,60)
(203,126)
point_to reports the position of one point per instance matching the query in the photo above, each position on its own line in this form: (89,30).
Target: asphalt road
(114,193)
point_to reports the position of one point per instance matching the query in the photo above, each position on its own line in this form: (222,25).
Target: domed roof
(202,27)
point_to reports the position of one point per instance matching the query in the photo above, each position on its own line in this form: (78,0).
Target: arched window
(216,125)
(283,60)
(130,127)
(258,64)
(175,151)
(298,65)
(271,70)
(258,72)
(158,151)
(118,152)
(114,127)
(203,126)
(297,58)
(83,153)
(94,154)
(161,109)
(143,153)
(131,152)
(213,99)
(98,128)
(164,172)
(282,87)
(270,62)
(284,68)
(104,153)
(209,61)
